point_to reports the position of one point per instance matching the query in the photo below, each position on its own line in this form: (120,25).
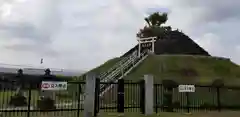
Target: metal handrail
(104,74)
(112,76)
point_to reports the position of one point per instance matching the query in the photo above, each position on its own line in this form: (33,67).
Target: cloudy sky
(82,34)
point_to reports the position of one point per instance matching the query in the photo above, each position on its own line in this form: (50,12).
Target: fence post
(156,97)
(148,94)
(120,98)
(142,96)
(97,92)
(218,99)
(29,100)
(90,95)
(187,96)
(79,99)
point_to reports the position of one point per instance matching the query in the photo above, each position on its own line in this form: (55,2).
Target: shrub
(176,104)
(189,72)
(18,100)
(205,105)
(169,84)
(46,104)
(218,83)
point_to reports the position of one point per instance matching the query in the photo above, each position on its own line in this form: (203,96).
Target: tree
(156,19)
(154,27)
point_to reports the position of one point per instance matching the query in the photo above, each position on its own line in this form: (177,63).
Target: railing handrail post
(156,97)
(96,100)
(29,100)
(120,97)
(79,99)
(142,96)
(218,99)
(188,106)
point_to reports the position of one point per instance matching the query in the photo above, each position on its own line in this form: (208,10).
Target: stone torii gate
(144,41)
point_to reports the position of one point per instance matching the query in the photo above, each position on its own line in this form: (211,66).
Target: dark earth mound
(175,42)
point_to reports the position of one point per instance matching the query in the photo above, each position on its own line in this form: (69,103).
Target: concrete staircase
(119,70)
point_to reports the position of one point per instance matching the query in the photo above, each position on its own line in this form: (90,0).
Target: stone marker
(148,94)
(89,95)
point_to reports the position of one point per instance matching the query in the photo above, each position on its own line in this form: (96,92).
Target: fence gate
(118,96)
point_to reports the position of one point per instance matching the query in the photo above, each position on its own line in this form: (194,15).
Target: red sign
(51,85)
(45,85)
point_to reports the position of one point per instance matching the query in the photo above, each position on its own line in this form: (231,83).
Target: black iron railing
(125,96)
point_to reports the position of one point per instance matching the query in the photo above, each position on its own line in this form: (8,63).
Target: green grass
(203,95)
(203,70)
(102,68)
(5,97)
(105,66)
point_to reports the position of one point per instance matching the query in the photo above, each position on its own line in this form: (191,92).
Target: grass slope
(105,66)
(102,68)
(187,69)
(183,69)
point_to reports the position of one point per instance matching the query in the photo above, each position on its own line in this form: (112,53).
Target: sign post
(49,83)
(47,93)
(187,89)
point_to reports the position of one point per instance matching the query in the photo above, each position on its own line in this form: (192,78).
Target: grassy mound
(102,68)
(183,69)
(105,66)
(187,69)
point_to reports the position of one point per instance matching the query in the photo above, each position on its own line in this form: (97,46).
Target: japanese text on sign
(186,88)
(52,85)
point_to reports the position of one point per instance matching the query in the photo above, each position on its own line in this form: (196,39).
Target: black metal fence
(204,98)
(67,102)
(123,96)
(126,96)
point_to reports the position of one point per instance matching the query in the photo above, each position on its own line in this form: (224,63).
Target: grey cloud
(218,17)
(157,9)
(27,31)
(37,49)
(227,31)
(41,32)
(214,10)
(22,30)
(82,34)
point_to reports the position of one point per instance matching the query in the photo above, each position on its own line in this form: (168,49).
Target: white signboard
(186,88)
(53,85)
